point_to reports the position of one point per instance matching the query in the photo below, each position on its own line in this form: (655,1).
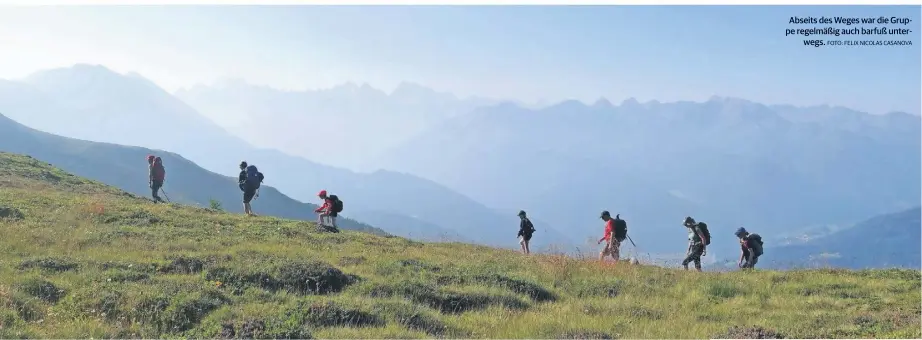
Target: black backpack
(337,204)
(253,178)
(755,243)
(530,228)
(707,234)
(620,229)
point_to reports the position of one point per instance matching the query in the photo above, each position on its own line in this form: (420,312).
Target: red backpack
(158,171)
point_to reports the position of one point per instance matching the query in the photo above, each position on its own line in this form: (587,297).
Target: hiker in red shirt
(155,176)
(326,210)
(612,245)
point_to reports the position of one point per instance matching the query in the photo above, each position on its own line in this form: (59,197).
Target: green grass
(79,259)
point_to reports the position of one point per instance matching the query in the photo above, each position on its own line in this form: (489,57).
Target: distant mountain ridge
(728,161)
(94,103)
(346,124)
(883,241)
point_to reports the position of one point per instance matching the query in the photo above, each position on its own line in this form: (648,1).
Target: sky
(526,53)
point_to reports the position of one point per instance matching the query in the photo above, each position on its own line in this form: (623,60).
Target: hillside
(126,168)
(91,102)
(889,240)
(85,260)
(727,161)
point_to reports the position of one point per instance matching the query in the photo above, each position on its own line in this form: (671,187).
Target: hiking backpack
(755,243)
(254,177)
(704,230)
(620,229)
(159,171)
(526,227)
(337,204)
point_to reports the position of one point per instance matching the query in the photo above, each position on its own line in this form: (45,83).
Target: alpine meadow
(85,260)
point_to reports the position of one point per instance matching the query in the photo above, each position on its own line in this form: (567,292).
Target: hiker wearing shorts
(249,180)
(697,244)
(325,211)
(526,230)
(612,245)
(155,176)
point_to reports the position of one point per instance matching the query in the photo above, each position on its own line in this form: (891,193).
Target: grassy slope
(124,167)
(80,259)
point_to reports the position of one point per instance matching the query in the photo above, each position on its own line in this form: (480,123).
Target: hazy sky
(528,53)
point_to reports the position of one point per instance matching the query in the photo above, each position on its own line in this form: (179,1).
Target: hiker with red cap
(330,209)
(156,173)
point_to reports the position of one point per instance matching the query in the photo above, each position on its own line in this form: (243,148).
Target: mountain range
(726,161)
(340,126)
(91,102)
(461,168)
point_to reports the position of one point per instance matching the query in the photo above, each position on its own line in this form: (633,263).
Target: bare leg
(326,220)
(527,249)
(616,251)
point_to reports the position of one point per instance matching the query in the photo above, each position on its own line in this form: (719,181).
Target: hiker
(613,242)
(249,181)
(155,176)
(330,209)
(751,248)
(526,230)
(698,239)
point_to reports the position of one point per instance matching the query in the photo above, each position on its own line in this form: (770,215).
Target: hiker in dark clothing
(751,248)
(526,230)
(155,176)
(249,180)
(698,239)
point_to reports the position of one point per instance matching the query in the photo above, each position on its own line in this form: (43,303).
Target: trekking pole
(632,241)
(635,250)
(165,195)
